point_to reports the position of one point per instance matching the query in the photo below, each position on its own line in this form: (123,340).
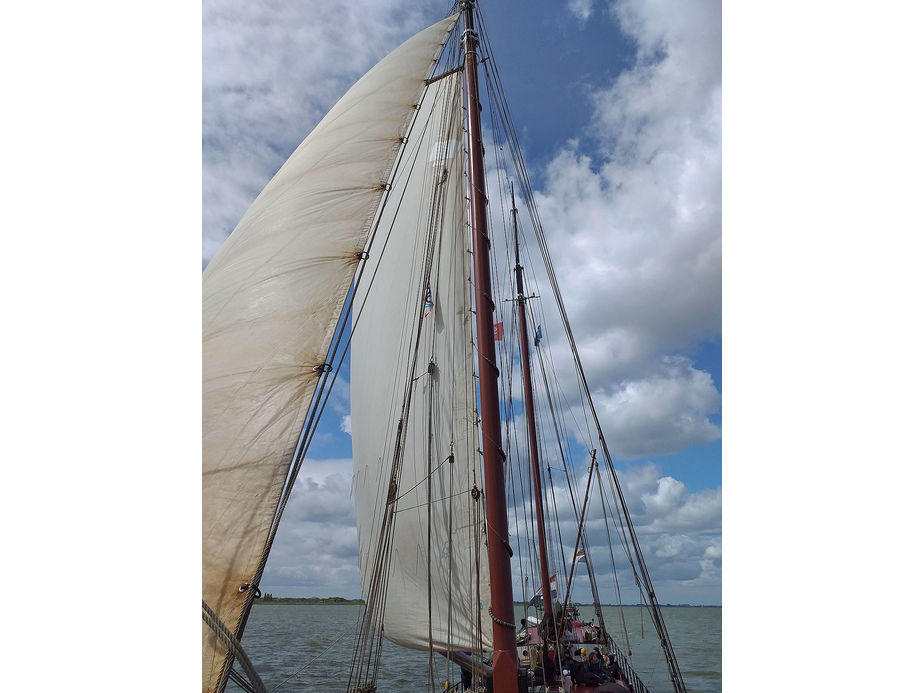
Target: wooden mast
(547,619)
(499,552)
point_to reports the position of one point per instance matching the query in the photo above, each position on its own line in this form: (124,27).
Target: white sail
(436,568)
(271,300)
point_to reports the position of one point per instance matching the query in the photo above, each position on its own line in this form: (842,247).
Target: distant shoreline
(270,599)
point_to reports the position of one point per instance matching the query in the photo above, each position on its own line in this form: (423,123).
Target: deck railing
(628,672)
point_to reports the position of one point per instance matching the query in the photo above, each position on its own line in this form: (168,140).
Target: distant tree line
(268,597)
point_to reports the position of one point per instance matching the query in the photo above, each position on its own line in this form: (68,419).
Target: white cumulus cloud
(664,412)
(633,219)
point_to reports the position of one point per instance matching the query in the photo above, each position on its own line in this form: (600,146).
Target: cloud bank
(679,532)
(632,213)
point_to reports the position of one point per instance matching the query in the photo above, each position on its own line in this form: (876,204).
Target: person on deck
(594,674)
(575,666)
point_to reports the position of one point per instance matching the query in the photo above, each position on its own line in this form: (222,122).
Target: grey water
(306,648)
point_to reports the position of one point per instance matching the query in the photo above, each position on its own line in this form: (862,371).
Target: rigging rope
(234,646)
(526,190)
(241,680)
(321,654)
(609,541)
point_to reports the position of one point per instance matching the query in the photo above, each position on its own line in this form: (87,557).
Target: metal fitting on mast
(472,33)
(467,7)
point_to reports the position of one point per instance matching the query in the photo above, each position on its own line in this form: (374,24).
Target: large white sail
(435,563)
(271,299)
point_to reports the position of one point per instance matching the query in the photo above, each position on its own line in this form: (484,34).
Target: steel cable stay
(606,525)
(511,358)
(428,479)
(563,449)
(494,83)
(565,456)
(556,396)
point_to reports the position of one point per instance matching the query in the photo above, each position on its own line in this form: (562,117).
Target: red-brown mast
(499,553)
(531,430)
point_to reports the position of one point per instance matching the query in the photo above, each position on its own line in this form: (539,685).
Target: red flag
(498,331)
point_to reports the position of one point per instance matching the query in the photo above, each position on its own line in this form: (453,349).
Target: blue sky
(566,58)
(618,111)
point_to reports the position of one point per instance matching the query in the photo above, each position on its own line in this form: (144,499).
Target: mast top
(518,268)
(467,8)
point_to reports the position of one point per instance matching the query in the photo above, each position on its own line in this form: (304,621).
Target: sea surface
(306,648)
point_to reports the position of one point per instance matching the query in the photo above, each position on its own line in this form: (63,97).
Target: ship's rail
(628,673)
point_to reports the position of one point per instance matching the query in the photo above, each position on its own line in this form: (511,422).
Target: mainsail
(414,424)
(272,297)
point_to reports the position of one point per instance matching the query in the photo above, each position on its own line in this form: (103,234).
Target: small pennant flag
(580,556)
(428,301)
(498,331)
(538,596)
(538,335)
